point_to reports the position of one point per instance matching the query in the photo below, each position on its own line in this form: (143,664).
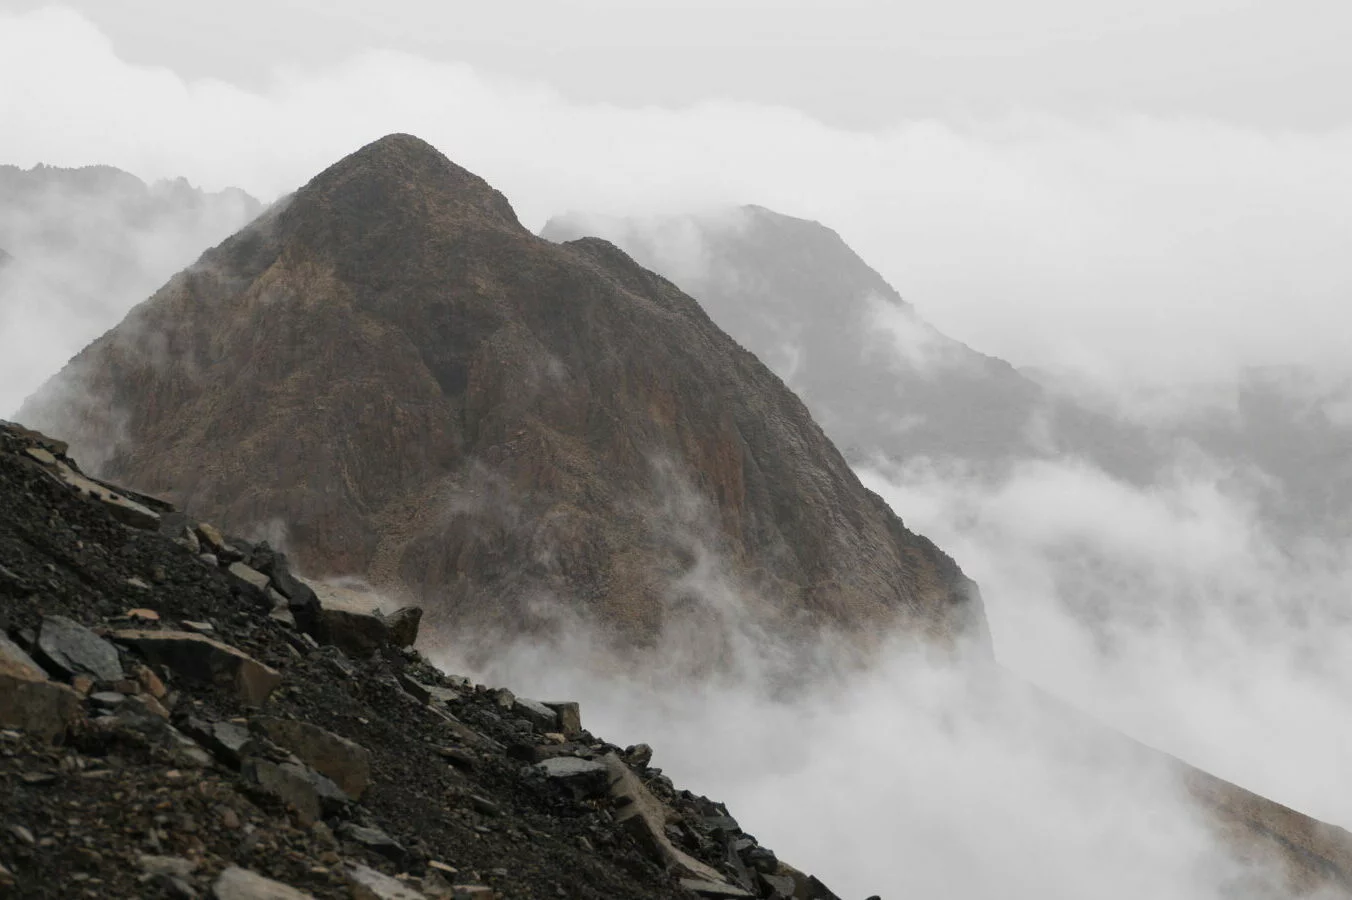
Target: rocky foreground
(182,717)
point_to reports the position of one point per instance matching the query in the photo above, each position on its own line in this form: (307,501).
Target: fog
(84,248)
(1141,261)
(1128,250)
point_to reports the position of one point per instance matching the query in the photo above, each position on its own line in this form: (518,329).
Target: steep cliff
(425,393)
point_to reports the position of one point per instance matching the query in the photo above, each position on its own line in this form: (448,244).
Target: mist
(1143,262)
(1122,251)
(84,247)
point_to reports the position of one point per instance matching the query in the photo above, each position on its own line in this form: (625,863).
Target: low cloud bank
(1171,612)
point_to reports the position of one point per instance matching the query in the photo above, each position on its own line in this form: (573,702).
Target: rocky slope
(180,717)
(427,394)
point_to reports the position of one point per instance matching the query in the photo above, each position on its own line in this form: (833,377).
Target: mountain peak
(401,176)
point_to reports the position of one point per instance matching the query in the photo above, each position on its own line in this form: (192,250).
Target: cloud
(1127,250)
(86,247)
(1170,611)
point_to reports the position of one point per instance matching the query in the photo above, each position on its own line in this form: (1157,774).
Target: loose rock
(73,649)
(368,884)
(345,762)
(241,884)
(203,659)
(30,702)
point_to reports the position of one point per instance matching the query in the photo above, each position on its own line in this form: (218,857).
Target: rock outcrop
(428,395)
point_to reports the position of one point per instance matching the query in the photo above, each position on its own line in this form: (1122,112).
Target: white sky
(856,63)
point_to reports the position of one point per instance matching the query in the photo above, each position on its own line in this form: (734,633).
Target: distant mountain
(884,383)
(429,395)
(880,379)
(81,247)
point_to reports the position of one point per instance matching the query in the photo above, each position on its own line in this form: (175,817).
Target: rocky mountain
(428,395)
(872,371)
(884,382)
(181,717)
(81,247)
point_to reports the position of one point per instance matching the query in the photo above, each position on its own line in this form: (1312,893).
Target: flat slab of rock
(584,778)
(73,649)
(428,693)
(310,794)
(349,620)
(228,741)
(713,888)
(241,884)
(538,714)
(368,884)
(644,817)
(248,579)
(347,763)
(202,659)
(32,703)
(124,509)
(375,840)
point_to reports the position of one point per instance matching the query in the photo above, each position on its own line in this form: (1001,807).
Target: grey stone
(347,763)
(166,865)
(777,887)
(124,509)
(639,755)
(713,888)
(32,703)
(403,626)
(472,892)
(310,794)
(375,840)
(569,714)
(202,659)
(584,778)
(247,579)
(241,884)
(428,693)
(227,740)
(185,752)
(541,717)
(73,649)
(22,835)
(368,884)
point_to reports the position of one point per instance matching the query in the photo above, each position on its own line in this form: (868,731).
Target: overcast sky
(852,63)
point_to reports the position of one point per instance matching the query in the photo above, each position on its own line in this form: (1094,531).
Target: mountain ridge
(438,353)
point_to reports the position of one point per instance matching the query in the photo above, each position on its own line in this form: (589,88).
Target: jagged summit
(424,393)
(400,179)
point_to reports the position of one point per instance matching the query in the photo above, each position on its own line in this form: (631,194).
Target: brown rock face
(428,395)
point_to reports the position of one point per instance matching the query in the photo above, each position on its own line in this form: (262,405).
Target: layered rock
(428,395)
